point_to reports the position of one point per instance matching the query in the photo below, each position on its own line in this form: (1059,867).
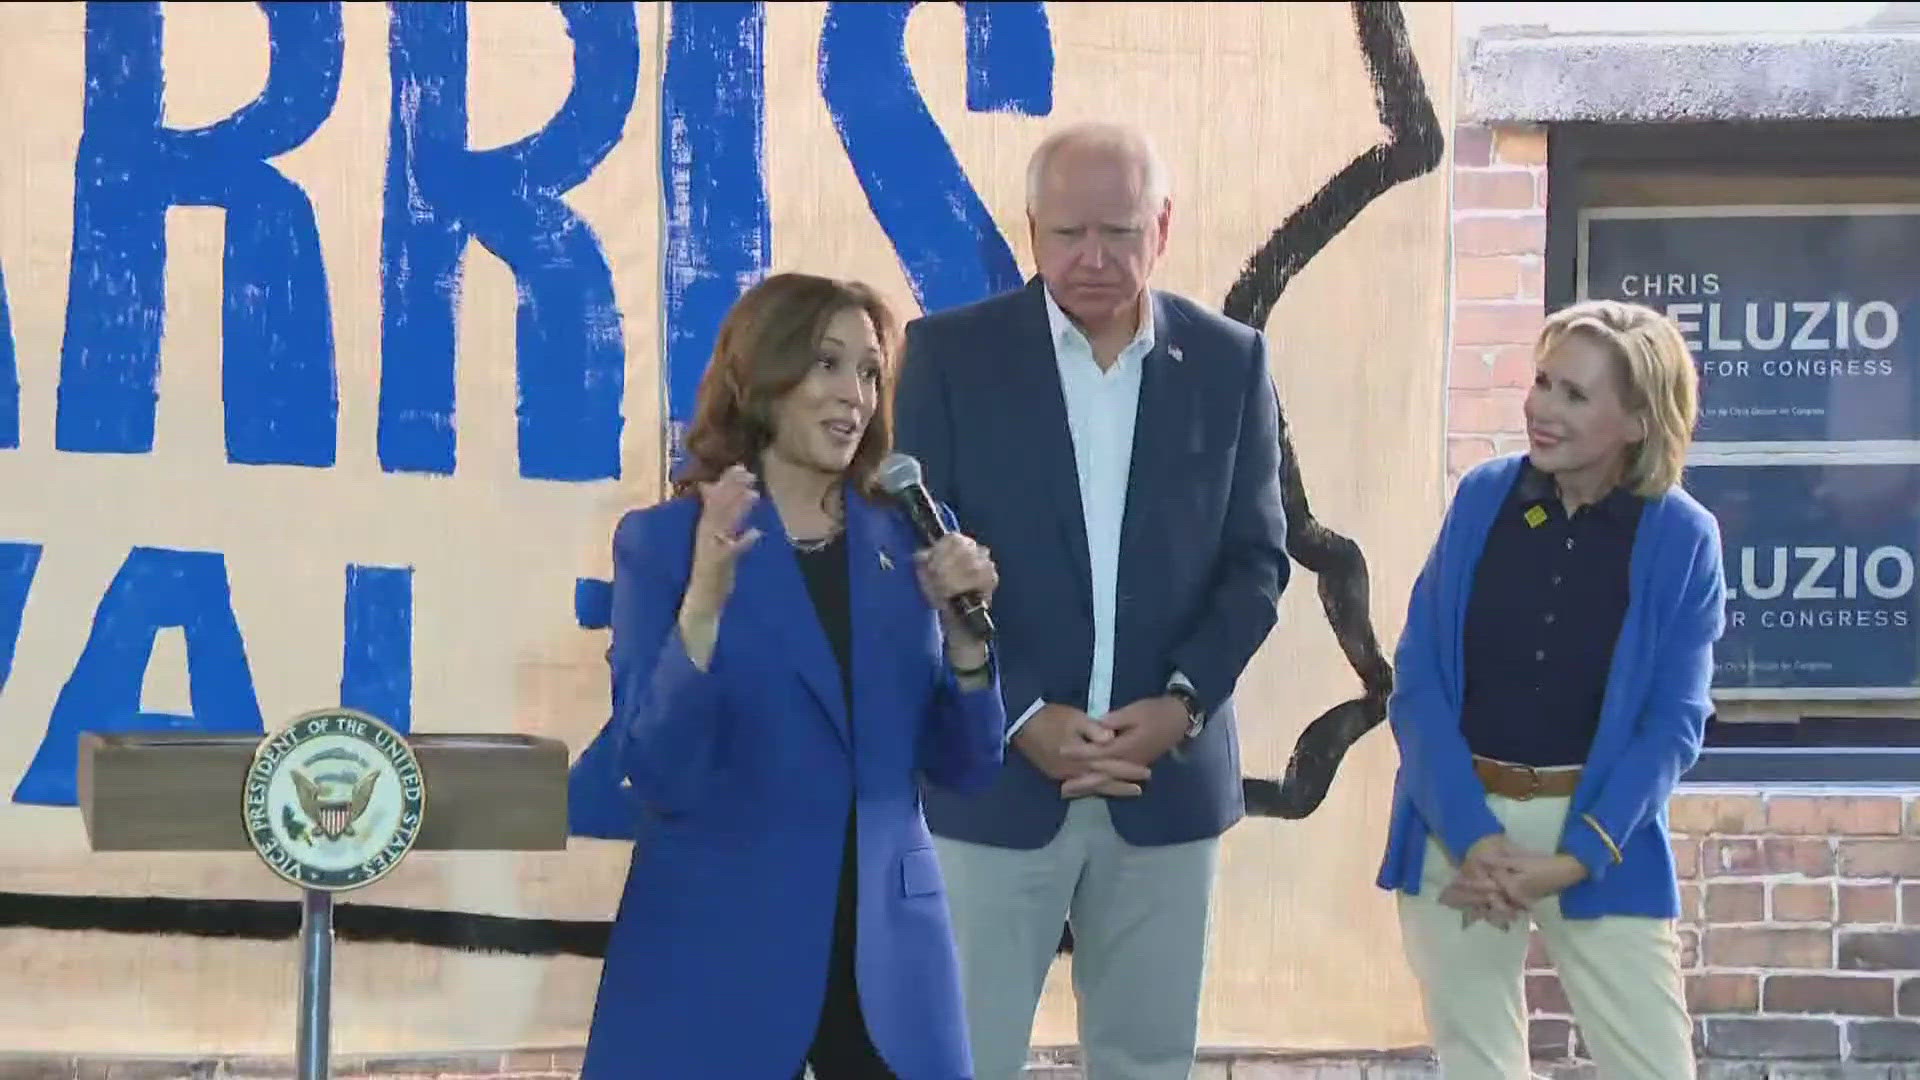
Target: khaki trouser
(1621,973)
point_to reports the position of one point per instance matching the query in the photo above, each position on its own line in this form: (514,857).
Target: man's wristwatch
(1184,695)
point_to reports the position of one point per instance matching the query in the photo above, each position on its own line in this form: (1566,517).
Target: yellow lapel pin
(1535,515)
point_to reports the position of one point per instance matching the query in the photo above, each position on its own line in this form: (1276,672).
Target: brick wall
(1499,242)
(1801,929)
(1801,910)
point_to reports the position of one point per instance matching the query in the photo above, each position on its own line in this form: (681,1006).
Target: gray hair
(1124,138)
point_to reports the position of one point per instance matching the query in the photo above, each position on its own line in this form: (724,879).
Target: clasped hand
(1499,880)
(1111,756)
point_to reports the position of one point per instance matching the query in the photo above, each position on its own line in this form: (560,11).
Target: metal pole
(316,982)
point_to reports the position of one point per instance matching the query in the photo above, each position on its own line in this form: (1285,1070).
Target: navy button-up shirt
(1549,595)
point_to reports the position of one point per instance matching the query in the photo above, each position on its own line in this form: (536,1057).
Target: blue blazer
(735,784)
(1652,717)
(1202,548)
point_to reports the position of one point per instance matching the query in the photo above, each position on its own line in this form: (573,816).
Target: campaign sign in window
(1805,321)
(1819,564)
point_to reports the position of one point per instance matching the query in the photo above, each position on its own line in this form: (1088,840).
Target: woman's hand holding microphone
(957,564)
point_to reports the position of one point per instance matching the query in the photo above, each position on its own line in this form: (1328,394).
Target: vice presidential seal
(334,800)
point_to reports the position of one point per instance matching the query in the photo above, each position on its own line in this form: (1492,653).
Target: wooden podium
(182,792)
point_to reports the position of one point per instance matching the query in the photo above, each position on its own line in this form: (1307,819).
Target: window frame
(1763,752)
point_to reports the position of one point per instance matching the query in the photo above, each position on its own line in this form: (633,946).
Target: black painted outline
(1414,146)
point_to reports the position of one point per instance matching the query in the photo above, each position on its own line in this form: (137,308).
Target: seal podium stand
(182,792)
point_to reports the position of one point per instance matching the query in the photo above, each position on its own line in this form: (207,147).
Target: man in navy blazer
(1117,449)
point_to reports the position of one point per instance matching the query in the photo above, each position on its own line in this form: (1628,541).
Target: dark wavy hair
(767,344)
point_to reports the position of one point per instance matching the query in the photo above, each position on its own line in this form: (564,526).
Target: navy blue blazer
(1202,550)
(736,782)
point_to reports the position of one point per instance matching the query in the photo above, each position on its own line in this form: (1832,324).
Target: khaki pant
(1621,974)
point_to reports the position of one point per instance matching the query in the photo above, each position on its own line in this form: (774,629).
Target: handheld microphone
(900,478)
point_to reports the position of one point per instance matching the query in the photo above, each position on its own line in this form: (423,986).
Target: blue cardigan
(1652,718)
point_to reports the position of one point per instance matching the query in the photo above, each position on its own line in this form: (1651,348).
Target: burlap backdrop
(1254,106)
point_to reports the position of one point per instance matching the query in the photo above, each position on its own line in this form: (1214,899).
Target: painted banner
(334,338)
(1820,577)
(1804,320)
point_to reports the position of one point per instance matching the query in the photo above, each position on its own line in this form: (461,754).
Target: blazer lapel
(1033,373)
(1163,417)
(769,579)
(876,574)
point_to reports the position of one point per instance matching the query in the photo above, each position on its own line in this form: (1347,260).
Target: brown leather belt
(1525,781)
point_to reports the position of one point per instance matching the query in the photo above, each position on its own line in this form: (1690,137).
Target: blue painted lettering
(571,356)
(376,665)
(719,228)
(17,564)
(9,379)
(946,240)
(277,341)
(155,588)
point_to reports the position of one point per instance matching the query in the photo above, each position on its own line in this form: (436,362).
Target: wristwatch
(1182,692)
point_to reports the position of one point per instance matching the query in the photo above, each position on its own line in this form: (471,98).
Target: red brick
(1489,277)
(1690,903)
(1472,147)
(1908,998)
(1723,993)
(1546,995)
(1731,858)
(1879,950)
(1910,903)
(1769,947)
(1880,858)
(1742,903)
(1465,452)
(1686,858)
(1913,817)
(1479,367)
(1865,995)
(1494,189)
(1550,1040)
(1537,961)
(1773,1038)
(1886,1040)
(1504,234)
(1802,903)
(1472,412)
(1708,815)
(1497,322)
(1809,858)
(1817,815)
(1869,904)
(1520,145)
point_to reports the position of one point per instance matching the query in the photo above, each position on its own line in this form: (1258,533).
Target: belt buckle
(1533,782)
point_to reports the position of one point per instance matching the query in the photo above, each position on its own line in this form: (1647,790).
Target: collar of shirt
(1067,336)
(1537,486)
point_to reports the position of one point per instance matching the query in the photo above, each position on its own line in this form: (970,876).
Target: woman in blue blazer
(1552,686)
(781,685)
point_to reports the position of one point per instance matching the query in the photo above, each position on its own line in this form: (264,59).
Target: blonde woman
(1552,687)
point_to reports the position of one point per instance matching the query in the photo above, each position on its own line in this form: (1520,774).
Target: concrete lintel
(1661,78)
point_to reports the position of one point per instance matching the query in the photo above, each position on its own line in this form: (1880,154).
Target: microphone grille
(898,473)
